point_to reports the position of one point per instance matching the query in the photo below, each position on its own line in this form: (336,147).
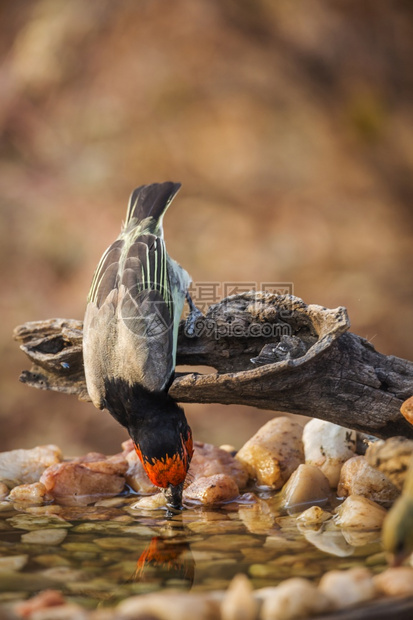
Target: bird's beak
(173,495)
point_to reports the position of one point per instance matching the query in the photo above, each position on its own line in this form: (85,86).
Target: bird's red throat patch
(171,469)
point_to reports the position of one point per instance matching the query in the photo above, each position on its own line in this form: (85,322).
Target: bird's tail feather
(150,201)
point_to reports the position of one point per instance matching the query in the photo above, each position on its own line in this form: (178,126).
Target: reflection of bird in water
(168,556)
(397,532)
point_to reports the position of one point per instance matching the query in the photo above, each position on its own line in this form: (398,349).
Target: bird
(130,336)
(397,532)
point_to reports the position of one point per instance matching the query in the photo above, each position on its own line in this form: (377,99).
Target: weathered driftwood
(304,361)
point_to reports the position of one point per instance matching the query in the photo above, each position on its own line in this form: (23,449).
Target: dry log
(270,351)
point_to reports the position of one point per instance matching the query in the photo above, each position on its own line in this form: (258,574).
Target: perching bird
(130,337)
(397,534)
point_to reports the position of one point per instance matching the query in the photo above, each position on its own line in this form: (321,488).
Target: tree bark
(270,351)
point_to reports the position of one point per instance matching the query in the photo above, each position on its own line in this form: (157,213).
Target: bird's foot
(194,320)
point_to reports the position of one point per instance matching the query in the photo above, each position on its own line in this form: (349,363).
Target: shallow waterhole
(109,552)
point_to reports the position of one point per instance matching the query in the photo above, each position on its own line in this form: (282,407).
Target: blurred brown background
(289,125)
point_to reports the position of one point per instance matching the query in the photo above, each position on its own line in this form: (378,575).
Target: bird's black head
(160,432)
(163,442)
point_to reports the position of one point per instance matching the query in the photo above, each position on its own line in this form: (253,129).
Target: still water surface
(99,555)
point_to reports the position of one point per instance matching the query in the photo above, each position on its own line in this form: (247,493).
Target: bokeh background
(289,124)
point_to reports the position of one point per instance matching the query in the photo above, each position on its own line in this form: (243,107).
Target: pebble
(35,522)
(28,493)
(313,517)
(329,541)
(150,502)
(169,606)
(208,460)
(395,581)
(392,457)
(307,485)
(45,536)
(348,588)
(328,446)
(274,452)
(360,513)
(136,476)
(212,490)
(258,517)
(407,410)
(293,598)
(26,466)
(13,562)
(359,478)
(358,538)
(63,574)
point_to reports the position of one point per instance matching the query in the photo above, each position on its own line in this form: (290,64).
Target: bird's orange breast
(170,469)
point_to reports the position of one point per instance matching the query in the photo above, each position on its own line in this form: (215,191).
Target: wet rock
(360,538)
(208,460)
(348,588)
(391,457)
(33,493)
(13,562)
(212,490)
(83,481)
(360,513)
(396,581)
(26,466)
(293,598)
(258,517)
(330,541)
(313,517)
(45,536)
(35,522)
(151,502)
(136,477)
(63,574)
(307,485)
(169,606)
(328,446)
(274,452)
(407,410)
(359,478)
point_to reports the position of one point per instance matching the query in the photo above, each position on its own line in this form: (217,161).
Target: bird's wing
(146,280)
(106,276)
(146,313)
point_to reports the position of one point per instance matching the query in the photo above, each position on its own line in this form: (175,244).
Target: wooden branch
(270,351)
